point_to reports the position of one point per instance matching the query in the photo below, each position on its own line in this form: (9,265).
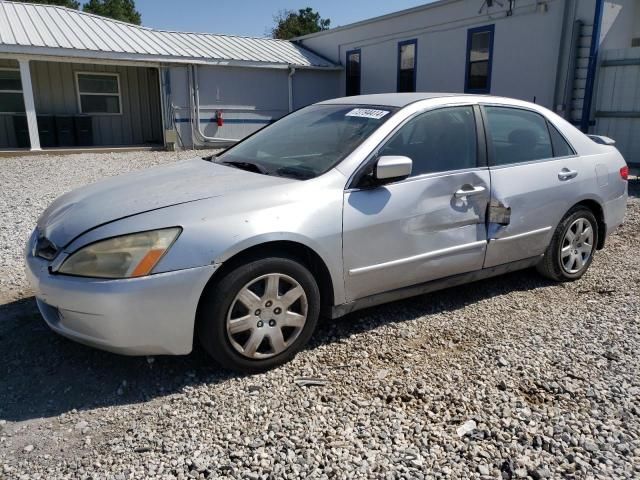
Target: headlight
(127,256)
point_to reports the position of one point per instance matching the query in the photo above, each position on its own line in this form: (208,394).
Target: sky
(255,17)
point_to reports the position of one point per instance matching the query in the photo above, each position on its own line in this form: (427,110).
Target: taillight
(624,173)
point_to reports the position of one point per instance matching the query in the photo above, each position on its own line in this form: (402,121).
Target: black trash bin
(65,131)
(84,130)
(21,129)
(47,131)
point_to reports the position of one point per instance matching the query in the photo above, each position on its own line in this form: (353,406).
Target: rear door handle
(469,191)
(566,174)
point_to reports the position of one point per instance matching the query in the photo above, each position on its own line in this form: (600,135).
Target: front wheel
(260,314)
(571,250)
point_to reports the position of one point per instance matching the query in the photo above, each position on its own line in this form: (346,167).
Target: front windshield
(308,142)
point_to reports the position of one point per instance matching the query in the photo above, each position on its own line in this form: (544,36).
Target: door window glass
(561,147)
(517,135)
(437,141)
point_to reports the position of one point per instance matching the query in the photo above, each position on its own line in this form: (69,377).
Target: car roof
(388,99)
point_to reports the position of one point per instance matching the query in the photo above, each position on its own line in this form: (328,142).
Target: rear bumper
(614,211)
(150,315)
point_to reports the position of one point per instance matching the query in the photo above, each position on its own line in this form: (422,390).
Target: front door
(428,226)
(536,174)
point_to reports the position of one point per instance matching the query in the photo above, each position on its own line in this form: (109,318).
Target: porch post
(29,104)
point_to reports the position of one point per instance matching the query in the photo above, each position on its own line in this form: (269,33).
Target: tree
(63,3)
(124,10)
(290,24)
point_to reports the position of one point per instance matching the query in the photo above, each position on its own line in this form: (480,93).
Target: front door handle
(566,174)
(469,191)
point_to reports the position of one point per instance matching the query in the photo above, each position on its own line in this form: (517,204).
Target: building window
(407,65)
(11,99)
(353,72)
(99,93)
(479,58)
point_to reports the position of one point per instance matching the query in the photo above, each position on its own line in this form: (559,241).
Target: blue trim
(229,120)
(591,69)
(487,28)
(413,42)
(347,73)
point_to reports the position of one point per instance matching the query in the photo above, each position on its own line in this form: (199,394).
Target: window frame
(348,71)
(79,94)
(489,139)
(414,42)
(470,32)
(481,150)
(21,91)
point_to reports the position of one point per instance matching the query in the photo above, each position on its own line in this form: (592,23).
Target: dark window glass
(407,66)
(560,146)
(11,102)
(97,83)
(517,135)
(479,52)
(353,73)
(100,104)
(10,80)
(437,141)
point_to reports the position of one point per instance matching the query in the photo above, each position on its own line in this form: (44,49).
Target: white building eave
(81,56)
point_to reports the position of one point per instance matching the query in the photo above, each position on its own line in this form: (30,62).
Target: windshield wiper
(249,166)
(293,172)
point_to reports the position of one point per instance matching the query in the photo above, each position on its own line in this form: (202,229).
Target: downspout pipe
(292,72)
(198,134)
(592,68)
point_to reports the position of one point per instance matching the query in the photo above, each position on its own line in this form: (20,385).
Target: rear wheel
(571,250)
(260,314)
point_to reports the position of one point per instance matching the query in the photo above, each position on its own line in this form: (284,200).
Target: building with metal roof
(70,78)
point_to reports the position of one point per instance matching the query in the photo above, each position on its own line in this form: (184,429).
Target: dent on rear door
(538,199)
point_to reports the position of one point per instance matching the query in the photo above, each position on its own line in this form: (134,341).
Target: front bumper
(150,315)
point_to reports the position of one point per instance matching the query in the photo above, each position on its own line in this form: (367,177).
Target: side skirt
(432,286)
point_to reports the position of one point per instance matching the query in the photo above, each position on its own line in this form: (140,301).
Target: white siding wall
(249,98)
(525,56)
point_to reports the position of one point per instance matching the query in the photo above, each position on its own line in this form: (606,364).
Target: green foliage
(124,10)
(290,24)
(63,3)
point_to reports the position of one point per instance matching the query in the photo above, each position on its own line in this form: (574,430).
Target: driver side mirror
(390,168)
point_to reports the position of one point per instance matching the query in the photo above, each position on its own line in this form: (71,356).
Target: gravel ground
(512,377)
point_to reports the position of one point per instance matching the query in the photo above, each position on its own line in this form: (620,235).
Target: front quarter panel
(307,212)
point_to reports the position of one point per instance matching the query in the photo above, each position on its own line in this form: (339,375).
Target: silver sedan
(341,205)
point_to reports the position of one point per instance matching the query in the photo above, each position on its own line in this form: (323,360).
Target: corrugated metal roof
(60,31)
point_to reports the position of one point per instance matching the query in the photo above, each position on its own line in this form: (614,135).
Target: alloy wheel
(266,316)
(577,246)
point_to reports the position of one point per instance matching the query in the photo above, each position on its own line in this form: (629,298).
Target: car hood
(88,207)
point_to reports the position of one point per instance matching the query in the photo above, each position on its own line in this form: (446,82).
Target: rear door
(430,225)
(535,173)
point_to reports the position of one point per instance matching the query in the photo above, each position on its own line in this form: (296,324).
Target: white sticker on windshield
(367,113)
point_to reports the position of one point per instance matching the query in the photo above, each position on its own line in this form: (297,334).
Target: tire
(572,262)
(242,312)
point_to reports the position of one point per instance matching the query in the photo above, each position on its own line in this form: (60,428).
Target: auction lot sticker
(367,113)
